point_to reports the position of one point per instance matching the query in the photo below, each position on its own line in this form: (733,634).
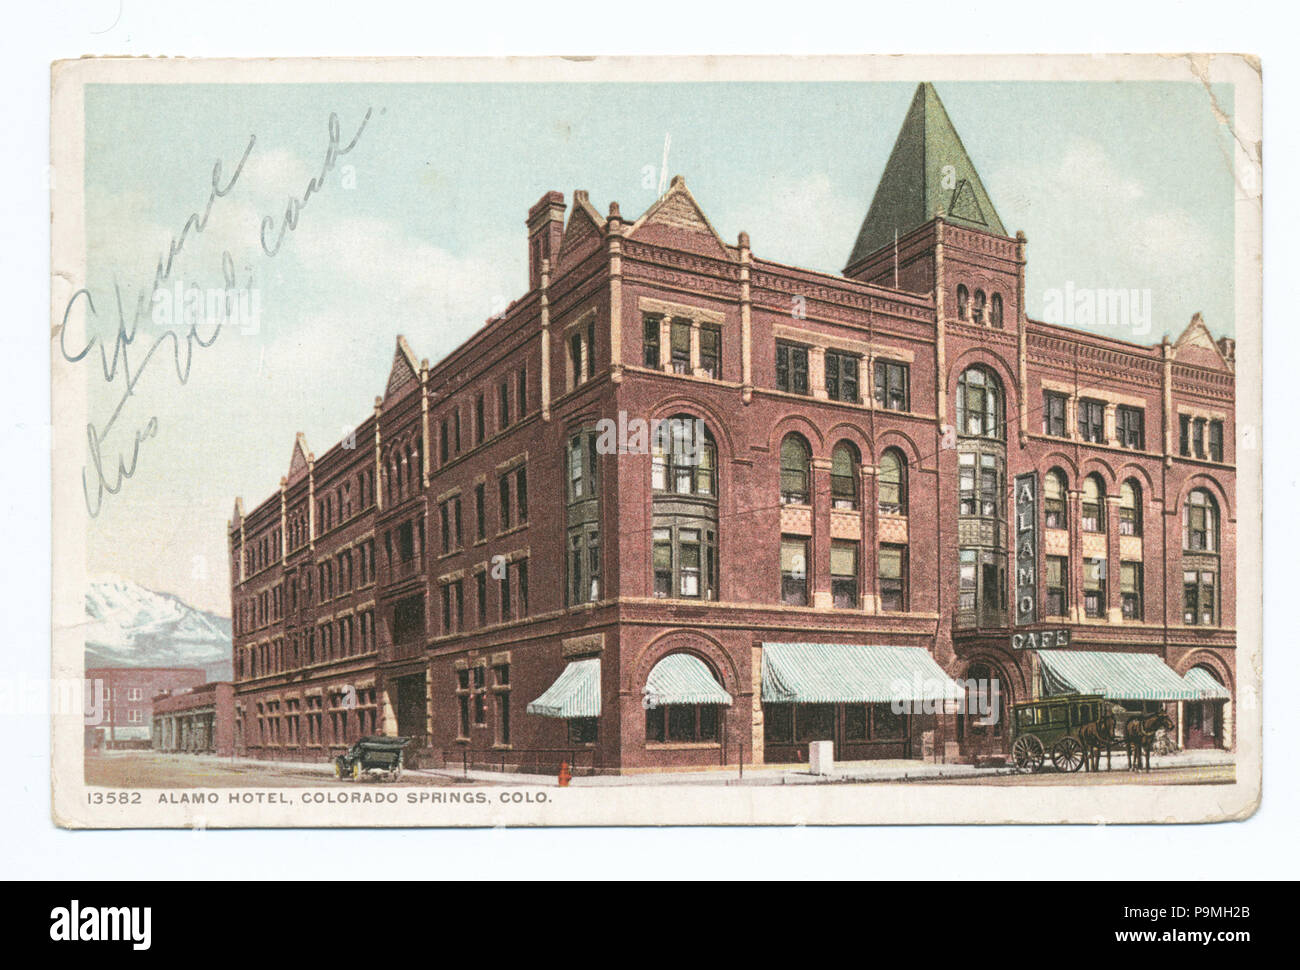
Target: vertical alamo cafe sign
(1026,548)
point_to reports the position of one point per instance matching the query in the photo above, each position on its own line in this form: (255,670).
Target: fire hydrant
(565,776)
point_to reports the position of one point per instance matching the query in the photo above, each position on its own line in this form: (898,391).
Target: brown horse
(1140,735)
(1096,736)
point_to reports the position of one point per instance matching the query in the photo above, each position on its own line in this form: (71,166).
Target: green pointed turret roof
(917,181)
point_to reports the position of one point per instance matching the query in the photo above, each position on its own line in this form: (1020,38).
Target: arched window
(844,476)
(1130,508)
(683,701)
(979,404)
(795,457)
(1054,499)
(685,457)
(980,300)
(1092,519)
(893,483)
(963,302)
(995,310)
(1201,522)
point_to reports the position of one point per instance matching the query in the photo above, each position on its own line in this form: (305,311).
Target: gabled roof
(928,173)
(299,458)
(583,233)
(405,369)
(677,220)
(1196,345)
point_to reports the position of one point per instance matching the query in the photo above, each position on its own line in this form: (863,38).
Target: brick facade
(122,697)
(367,600)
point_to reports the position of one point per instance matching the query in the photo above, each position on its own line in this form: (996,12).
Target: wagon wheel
(1027,753)
(338,769)
(356,770)
(1067,754)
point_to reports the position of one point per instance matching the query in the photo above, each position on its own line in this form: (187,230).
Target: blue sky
(1117,185)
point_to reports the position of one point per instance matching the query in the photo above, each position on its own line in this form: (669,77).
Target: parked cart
(374,753)
(1065,728)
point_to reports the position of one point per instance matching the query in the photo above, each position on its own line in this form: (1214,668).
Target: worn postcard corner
(866,440)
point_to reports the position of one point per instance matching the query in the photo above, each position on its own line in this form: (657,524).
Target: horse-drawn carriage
(374,753)
(1074,730)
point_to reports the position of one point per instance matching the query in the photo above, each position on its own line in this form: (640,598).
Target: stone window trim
(666,313)
(582,371)
(1111,401)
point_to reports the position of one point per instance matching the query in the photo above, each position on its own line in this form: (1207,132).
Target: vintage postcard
(656,441)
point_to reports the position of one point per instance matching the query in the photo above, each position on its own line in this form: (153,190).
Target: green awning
(1202,681)
(1116,676)
(850,673)
(680,678)
(575,693)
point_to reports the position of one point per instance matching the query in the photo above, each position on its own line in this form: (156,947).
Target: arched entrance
(1204,720)
(982,724)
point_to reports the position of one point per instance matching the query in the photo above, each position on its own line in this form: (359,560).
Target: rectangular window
(689,567)
(680,345)
(593,566)
(892,385)
(1092,420)
(662,556)
(794,571)
(456,519)
(841,376)
(583,730)
(1054,414)
(966,483)
(444,513)
(521,494)
(480,583)
(480,697)
(444,443)
(844,575)
(893,578)
(1129,428)
(503,490)
(575,357)
(502,677)
(1056,585)
(480,421)
(521,585)
(1130,590)
(1184,435)
(650,341)
(445,594)
(591,349)
(521,390)
(480,511)
(507,601)
(1216,441)
(455,422)
(463,700)
(792,368)
(1198,598)
(1198,437)
(1094,588)
(967,581)
(503,404)
(711,352)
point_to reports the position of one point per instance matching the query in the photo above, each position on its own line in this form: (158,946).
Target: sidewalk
(900,770)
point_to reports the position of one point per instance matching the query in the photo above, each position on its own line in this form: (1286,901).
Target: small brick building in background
(119,702)
(196,720)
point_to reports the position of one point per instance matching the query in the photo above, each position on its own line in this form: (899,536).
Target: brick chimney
(545,231)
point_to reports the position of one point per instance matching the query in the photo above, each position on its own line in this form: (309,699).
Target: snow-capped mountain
(128,625)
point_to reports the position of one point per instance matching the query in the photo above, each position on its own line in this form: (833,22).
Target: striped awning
(840,673)
(575,693)
(1116,676)
(1201,680)
(681,678)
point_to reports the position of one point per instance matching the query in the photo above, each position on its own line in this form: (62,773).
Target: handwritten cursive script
(97,479)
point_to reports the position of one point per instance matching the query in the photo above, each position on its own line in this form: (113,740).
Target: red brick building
(506,565)
(196,720)
(119,702)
